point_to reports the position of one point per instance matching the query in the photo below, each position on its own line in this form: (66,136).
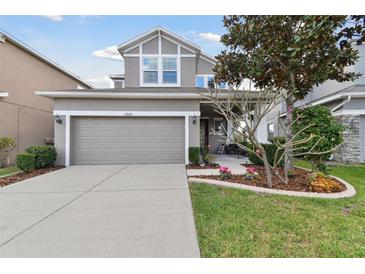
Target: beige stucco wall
(24,115)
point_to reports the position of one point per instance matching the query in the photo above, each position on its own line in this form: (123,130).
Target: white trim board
(127,113)
(4,94)
(68,114)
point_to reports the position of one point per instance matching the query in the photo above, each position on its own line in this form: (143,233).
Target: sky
(86,45)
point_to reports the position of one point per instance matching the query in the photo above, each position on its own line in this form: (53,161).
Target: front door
(204,137)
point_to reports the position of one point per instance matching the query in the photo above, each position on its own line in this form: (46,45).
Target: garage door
(127,140)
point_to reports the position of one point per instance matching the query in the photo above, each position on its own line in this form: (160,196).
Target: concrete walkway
(99,211)
(232,161)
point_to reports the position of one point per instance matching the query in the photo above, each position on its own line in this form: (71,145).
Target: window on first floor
(220,126)
(270,131)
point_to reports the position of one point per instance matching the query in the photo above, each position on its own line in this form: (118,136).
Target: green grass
(8,170)
(238,223)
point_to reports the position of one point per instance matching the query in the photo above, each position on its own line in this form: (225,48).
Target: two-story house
(23,115)
(346,101)
(154,113)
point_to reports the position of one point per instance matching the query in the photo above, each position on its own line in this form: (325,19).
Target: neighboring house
(24,115)
(346,101)
(154,113)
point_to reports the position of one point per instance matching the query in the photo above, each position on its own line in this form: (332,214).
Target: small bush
(44,155)
(25,162)
(279,140)
(7,144)
(194,153)
(209,159)
(320,182)
(270,150)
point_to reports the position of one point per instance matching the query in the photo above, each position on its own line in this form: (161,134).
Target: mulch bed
(297,183)
(191,166)
(26,175)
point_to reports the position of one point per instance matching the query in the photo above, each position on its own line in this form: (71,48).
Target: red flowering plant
(251,173)
(225,173)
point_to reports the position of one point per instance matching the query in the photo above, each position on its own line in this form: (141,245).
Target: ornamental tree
(286,53)
(320,128)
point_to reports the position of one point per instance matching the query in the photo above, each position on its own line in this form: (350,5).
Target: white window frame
(160,70)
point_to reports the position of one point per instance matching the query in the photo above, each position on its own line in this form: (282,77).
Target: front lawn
(238,223)
(8,170)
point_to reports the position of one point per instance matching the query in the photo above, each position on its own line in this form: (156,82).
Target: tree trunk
(288,136)
(267,167)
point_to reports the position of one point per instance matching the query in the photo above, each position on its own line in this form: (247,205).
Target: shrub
(270,150)
(225,173)
(44,155)
(323,131)
(25,162)
(278,140)
(320,182)
(194,153)
(210,159)
(7,144)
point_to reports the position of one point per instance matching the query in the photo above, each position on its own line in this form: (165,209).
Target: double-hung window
(150,70)
(160,71)
(169,70)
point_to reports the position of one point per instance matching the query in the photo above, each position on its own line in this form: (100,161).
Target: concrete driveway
(99,211)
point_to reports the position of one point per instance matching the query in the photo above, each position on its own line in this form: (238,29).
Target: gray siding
(126,105)
(59,139)
(188,71)
(205,67)
(168,47)
(356,104)
(133,51)
(150,47)
(131,69)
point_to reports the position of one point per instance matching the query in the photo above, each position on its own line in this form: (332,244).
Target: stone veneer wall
(349,151)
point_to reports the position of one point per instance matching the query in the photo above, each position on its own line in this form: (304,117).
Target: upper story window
(160,71)
(270,131)
(205,81)
(150,70)
(169,70)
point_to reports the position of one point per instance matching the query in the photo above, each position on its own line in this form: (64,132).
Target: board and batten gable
(190,60)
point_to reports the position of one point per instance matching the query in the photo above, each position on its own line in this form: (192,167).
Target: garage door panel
(128,140)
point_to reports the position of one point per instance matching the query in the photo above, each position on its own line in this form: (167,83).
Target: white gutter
(123,95)
(341,104)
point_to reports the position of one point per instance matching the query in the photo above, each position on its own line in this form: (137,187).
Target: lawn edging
(6,175)
(349,192)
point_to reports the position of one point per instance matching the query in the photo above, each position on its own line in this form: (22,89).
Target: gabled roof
(157,30)
(6,36)
(169,34)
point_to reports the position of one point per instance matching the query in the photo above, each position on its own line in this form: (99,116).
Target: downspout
(341,104)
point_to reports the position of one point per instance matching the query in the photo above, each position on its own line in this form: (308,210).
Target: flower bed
(301,181)
(11,179)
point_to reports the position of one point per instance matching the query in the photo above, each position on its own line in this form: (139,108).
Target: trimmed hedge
(270,150)
(45,156)
(25,162)
(194,153)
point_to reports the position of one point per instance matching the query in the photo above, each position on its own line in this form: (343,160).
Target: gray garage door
(127,140)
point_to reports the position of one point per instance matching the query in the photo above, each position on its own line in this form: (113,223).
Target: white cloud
(108,53)
(101,82)
(208,36)
(55,18)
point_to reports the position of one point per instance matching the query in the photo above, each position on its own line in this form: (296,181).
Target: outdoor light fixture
(58,119)
(194,120)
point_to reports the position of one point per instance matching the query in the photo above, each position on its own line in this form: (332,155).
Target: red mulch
(191,166)
(26,175)
(297,183)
